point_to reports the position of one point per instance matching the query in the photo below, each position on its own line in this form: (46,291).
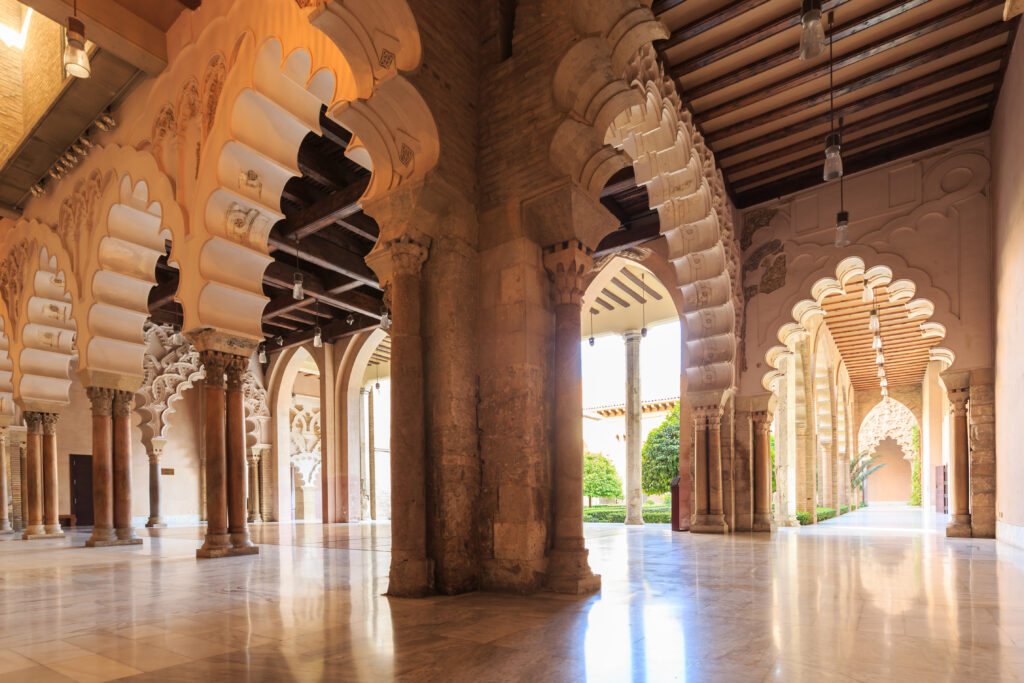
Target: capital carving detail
(762,421)
(101,399)
(235,369)
(707,416)
(568,263)
(958,401)
(215,363)
(122,403)
(407,256)
(34,422)
(50,423)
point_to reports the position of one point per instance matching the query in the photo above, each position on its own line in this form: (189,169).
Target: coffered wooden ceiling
(905,344)
(908,76)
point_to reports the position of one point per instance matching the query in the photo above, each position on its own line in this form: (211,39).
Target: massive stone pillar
(122,426)
(5,521)
(102,400)
(634,492)
(51,508)
(700,464)
(411,571)
(960,521)
(762,470)
(33,476)
(710,517)
(237,481)
(981,429)
(217,542)
(568,568)
(156,450)
(254,486)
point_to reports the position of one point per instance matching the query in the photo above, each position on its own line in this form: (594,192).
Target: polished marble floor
(879,594)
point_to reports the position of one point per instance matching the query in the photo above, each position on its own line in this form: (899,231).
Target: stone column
(33,476)
(122,427)
(217,542)
(568,568)
(710,517)
(634,492)
(156,450)
(762,471)
(960,521)
(237,481)
(5,521)
(411,571)
(51,509)
(254,487)
(981,430)
(371,448)
(700,463)
(102,400)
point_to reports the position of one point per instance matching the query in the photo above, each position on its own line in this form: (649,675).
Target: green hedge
(823,513)
(843,509)
(803,517)
(616,514)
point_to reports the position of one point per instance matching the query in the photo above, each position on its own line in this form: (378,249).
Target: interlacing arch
(170,370)
(304,437)
(888,419)
(624,110)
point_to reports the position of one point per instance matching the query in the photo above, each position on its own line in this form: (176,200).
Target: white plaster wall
(1008,209)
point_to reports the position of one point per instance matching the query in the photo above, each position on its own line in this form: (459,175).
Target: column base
(106,543)
(410,577)
(569,572)
(709,524)
(215,545)
(7,529)
(155,523)
(127,535)
(254,519)
(959,526)
(54,530)
(34,532)
(762,522)
(240,540)
(634,522)
(245,550)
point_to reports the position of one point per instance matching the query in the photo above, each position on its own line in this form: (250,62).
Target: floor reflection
(879,594)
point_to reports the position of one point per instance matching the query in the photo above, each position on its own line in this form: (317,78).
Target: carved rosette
(407,256)
(34,422)
(50,423)
(122,403)
(568,263)
(101,399)
(215,363)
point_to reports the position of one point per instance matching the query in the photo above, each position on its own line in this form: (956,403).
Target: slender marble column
(762,471)
(708,446)
(102,400)
(254,487)
(700,463)
(51,508)
(634,492)
(960,522)
(237,481)
(122,428)
(156,450)
(568,567)
(411,570)
(372,453)
(5,521)
(217,543)
(33,476)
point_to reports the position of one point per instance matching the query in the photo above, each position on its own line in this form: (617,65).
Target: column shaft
(33,476)
(634,491)
(5,521)
(102,467)
(237,481)
(700,463)
(762,472)
(254,489)
(960,522)
(122,429)
(51,509)
(568,567)
(708,445)
(411,572)
(371,448)
(155,517)
(217,542)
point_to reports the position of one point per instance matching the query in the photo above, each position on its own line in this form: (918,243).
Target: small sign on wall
(166,470)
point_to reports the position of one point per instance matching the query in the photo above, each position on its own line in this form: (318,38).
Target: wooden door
(81,489)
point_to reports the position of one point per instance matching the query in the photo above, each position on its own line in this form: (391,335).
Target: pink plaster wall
(1008,210)
(890,484)
(927,217)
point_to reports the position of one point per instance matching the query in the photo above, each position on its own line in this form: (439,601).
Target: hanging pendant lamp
(76,60)
(812,36)
(834,141)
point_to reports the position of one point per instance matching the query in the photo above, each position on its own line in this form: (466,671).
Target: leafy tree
(600,478)
(660,457)
(915,469)
(862,467)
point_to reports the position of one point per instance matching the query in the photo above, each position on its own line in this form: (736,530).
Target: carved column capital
(568,263)
(215,364)
(3,437)
(34,422)
(762,421)
(154,458)
(407,255)
(235,369)
(101,399)
(707,416)
(122,403)
(50,423)
(958,401)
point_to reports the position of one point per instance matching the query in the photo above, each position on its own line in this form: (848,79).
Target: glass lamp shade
(833,157)
(877,343)
(881,371)
(883,382)
(842,229)
(318,338)
(879,358)
(873,320)
(262,357)
(76,61)
(812,37)
(591,341)
(297,287)
(885,392)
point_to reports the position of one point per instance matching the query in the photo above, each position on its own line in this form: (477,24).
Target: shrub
(660,456)
(825,513)
(616,514)
(915,471)
(843,509)
(600,478)
(803,517)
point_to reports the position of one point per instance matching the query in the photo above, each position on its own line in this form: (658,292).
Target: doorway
(80,467)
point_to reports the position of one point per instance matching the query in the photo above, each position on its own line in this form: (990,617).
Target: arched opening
(632,355)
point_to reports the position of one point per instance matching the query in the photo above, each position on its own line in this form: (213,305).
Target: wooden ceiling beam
(336,294)
(918,142)
(879,47)
(333,131)
(749,39)
(331,332)
(640,230)
(325,254)
(639,282)
(731,10)
(333,209)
